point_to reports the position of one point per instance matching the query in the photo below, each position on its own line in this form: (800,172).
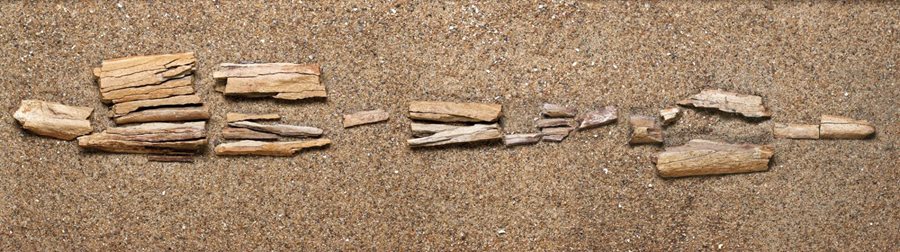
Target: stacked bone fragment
(453,123)
(285,81)
(262,139)
(557,122)
(154,98)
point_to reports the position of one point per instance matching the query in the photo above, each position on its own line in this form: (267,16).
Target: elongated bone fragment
(645,130)
(174,114)
(54,120)
(556,134)
(669,115)
(454,112)
(237,117)
(521,139)
(168,88)
(555,122)
(466,134)
(795,131)
(286,81)
(257,148)
(839,127)
(280,129)
(553,110)
(427,129)
(365,117)
(170,158)
(703,157)
(746,105)
(155,138)
(597,118)
(121,109)
(233,133)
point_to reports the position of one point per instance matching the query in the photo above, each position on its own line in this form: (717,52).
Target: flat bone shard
(154,138)
(467,134)
(555,122)
(521,139)
(237,117)
(54,120)
(746,105)
(426,129)
(795,131)
(703,157)
(122,109)
(176,114)
(233,133)
(365,117)
(553,110)
(839,127)
(556,134)
(454,112)
(645,130)
(669,115)
(600,117)
(286,81)
(257,148)
(280,129)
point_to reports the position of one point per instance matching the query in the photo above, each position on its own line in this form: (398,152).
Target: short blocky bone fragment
(795,131)
(286,81)
(233,133)
(670,115)
(280,129)
(156,138)
(645,130)
(365,117)
(839,127)
(746,105)
(454,112)
(521,139)
(465,134)
(427,129)
(597,118)
(553,110)
(556,134)
(237,117)
(54,120)
(703,157)
(257,148)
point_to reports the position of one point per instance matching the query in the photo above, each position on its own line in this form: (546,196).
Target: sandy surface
(369,191)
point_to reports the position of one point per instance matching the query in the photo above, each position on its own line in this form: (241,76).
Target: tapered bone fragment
(746,105)
(54,119)
(466,134)
(556,134)
(596,118)
(703,157)
(176,114)
(277,80)
(280,129)
(796,131)
(365,117)
(121,109)
(645,130)
(427,129)
(669,115)
(839,127)
(521,139)
(555,122)
(282,149)
(553,110)
(232,133)
(158,138)
(237,117)
(454,112)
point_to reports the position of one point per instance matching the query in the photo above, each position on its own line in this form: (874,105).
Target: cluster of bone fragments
(157,112)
